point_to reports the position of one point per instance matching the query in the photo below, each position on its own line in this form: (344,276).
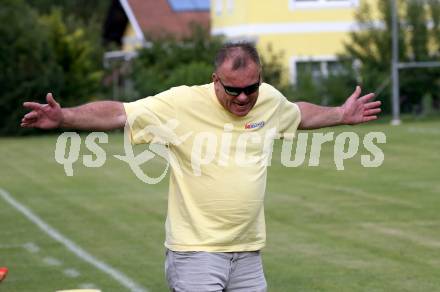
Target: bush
(40,55)
(28,67)
(169,62)
(418,41)
(330,90)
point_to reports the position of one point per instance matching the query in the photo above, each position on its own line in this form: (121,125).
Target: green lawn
(361,229)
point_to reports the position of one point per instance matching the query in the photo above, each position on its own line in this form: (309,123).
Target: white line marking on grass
(363,194)
(10,246)
(415,238)
(87,286)
(31,247)
(52,262)
(73,247)
(71,273)
(421,130)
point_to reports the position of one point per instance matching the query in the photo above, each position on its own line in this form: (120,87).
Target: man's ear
(214,77)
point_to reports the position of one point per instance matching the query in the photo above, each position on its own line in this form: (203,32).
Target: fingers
(373,104)
(372,112)
(36,106)
(369,118)
(29,121)
(40,113)
(50,100)
(367,97)
(31,115)
(33,105)
(27,125)
(356,93)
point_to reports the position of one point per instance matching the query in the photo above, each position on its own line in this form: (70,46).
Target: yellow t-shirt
(218,178)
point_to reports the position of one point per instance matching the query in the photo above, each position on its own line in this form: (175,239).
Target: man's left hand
(358,110)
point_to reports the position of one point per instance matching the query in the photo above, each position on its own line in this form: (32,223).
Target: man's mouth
(241,104)
(241,107)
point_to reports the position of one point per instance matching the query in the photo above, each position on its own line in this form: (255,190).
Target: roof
(161,17)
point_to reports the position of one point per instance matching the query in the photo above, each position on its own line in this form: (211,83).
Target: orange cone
(3,273)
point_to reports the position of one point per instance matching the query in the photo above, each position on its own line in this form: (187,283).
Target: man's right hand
(43,116)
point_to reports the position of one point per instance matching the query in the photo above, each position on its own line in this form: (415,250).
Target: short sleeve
(290,117)
(149,119)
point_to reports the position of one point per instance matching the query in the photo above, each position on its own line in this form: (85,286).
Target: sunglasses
(236,91)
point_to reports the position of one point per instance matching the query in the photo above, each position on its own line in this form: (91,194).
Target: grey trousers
(215,271)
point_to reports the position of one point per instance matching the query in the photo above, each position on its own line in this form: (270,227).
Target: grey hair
(240,53)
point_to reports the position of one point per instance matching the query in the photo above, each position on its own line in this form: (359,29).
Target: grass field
(361,229)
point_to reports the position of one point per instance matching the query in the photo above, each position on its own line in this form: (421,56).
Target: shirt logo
(255,125)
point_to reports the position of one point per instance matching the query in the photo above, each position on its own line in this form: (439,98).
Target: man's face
(228,83)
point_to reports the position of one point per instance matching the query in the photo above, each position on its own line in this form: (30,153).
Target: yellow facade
(312,30)
(130,42)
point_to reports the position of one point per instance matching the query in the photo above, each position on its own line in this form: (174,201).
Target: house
(130,24)
(309,32)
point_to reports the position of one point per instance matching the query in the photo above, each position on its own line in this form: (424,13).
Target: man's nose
(242,97)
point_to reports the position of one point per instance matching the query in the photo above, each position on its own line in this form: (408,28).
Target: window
(230,5)
(218,6)
(315,69)
(294,4)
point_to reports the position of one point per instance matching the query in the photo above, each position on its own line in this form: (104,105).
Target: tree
(84,10)
(77,58)
(273,69)
(40,55)
(169,62)
(27,65)
(371,46)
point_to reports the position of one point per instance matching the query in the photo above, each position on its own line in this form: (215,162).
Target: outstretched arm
(100,115)
(355,110)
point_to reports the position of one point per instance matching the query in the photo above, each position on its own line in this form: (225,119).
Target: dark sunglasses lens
(251,89)
(232,91)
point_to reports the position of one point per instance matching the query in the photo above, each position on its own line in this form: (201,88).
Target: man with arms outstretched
(215,225)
